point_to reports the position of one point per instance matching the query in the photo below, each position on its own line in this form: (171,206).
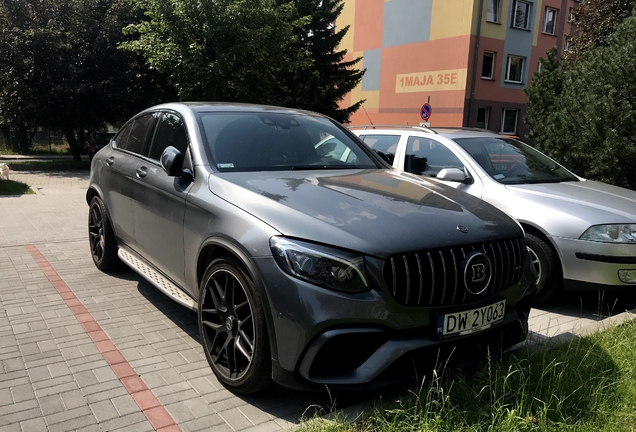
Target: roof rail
(470,129)
(390,126)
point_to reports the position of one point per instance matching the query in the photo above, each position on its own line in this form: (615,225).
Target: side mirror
(452,174)
(383,156)
(172,161)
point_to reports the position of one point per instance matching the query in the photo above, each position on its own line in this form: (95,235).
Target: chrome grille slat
(430,260)
(394,277)
(441,255)
(456,271)
(419,269)
(408,280)
(508,267)
(447,288)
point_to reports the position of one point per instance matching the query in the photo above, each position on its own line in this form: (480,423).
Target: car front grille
(436,277)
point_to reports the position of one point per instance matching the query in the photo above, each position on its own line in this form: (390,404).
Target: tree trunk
(73,144)
(22,140)
(6,135)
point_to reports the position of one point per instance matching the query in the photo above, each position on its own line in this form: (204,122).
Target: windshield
(263,141)
(512,162)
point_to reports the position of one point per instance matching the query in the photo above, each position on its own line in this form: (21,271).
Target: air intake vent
(436,277)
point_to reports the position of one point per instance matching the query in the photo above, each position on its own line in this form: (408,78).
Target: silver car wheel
(536,263)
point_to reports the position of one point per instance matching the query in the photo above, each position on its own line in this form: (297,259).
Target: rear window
(279,142)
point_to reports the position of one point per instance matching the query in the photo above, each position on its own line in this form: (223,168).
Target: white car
(580,233)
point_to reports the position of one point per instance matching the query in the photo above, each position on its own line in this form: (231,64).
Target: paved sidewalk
(58,315)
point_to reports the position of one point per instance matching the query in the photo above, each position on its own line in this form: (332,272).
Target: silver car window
(428,157)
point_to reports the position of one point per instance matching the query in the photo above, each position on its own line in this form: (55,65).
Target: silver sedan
(581,233)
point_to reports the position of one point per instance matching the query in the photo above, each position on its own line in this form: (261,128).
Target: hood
(569,208)
(378,213)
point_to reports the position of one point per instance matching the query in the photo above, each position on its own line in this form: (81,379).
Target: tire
(545,264)
(233,329)
(101,237)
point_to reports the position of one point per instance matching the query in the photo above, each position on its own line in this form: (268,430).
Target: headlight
(615,233)
(319,265)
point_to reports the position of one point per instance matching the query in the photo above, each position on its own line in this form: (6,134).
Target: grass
(587,384)
(41,149)
(10,187)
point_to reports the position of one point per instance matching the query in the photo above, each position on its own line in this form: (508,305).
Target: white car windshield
(510,161)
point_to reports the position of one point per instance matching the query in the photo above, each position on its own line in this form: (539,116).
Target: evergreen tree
(589,125)
(327,78)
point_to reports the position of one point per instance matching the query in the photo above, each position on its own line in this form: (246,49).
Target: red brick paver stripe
(147,402)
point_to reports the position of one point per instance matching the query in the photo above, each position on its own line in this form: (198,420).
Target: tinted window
(141,128)
(170,132)
(386,144)
(279,142)
(512,162)
(428,157)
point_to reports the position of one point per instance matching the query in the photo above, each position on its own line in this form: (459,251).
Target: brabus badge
(477,272)
(462,228)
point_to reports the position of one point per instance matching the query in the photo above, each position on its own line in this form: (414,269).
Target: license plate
(471,321)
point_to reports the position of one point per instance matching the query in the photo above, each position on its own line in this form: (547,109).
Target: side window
(121,139)
(170,132)
(428,157)
(141,127)
(386,144)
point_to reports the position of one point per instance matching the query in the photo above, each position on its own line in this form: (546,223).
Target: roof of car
(456,132)
(200,107)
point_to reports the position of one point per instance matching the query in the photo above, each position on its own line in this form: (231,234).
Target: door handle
(142,172)
(110,160)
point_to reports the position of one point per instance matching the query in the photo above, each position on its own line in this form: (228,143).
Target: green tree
(223,50)
(65,71)
(596,20)
(328,77)
(543,94)
(255,51)
(590,125)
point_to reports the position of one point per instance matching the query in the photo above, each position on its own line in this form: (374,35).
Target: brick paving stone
(235,418)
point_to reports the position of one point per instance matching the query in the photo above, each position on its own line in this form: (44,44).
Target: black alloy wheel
(233,329)
(101,237)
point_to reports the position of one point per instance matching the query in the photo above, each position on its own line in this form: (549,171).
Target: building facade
(469,60)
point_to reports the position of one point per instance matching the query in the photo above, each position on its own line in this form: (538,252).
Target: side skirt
(156,279)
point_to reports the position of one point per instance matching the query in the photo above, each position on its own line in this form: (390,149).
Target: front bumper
(364,340)
(591,265)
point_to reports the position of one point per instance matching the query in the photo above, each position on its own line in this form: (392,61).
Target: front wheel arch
(218,247)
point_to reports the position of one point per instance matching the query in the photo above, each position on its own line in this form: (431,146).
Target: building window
(483,117)
(493,11)
(549,21)
(571,17)
(514,69)
(567,45)
(509,121)
(521,17)
(488,65)
(539,66)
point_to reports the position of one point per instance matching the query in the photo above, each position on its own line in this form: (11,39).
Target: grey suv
(304,268)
